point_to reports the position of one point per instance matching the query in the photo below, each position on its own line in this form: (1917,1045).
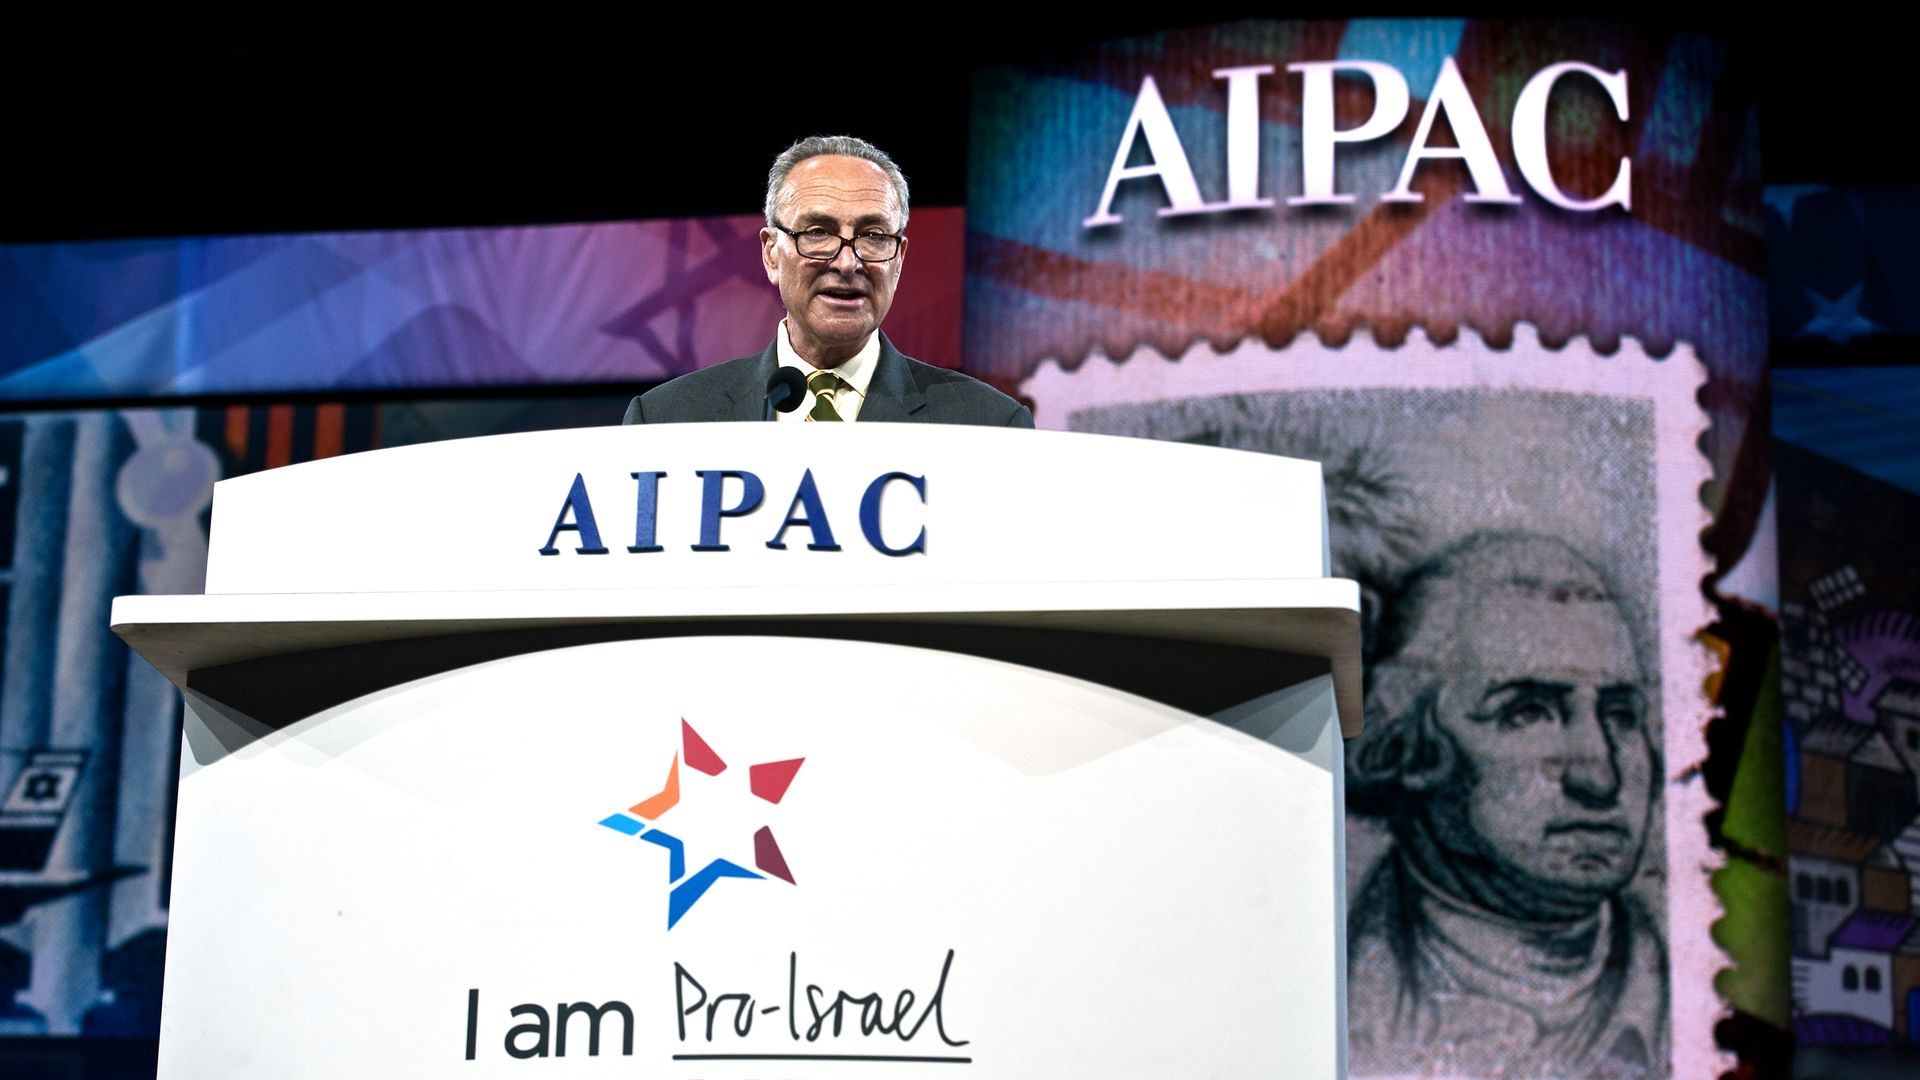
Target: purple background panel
(619,302)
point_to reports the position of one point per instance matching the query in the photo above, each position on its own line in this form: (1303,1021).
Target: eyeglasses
(817,243)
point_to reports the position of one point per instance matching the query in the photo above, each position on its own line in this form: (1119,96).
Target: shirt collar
(857,371)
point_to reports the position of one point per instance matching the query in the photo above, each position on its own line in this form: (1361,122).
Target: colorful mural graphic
(1850,693)
(93,505)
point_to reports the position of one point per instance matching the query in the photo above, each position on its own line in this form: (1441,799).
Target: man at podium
(834,244)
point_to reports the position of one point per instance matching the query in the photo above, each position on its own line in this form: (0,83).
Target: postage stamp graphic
(1527,863)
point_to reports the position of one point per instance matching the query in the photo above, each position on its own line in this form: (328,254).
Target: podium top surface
(678,527)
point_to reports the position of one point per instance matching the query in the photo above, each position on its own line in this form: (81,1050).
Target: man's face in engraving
(1543,696)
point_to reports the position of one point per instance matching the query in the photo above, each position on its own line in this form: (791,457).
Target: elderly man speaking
(834,244)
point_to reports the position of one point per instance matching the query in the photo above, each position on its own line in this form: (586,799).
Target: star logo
(768,782)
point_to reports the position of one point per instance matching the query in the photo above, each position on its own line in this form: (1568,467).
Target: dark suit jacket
(903,390)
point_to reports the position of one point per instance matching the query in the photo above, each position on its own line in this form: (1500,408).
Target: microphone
(784,391)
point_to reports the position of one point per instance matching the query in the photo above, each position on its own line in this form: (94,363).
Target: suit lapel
(748,393)
(892,395)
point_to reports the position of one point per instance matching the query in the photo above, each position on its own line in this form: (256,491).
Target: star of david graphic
(768,781)
(688,285)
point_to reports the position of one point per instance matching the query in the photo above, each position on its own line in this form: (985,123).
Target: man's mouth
(844,295)
(1593,829)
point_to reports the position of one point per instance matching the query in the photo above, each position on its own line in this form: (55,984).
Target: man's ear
(901,256)
(769,259)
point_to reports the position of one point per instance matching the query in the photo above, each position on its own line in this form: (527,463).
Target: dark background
(175,128)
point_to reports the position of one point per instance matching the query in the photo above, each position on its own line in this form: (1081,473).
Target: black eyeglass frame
(899,243)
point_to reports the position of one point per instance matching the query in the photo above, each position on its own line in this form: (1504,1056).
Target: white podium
(747,750)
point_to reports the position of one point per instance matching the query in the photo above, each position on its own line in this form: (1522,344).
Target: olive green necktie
(824,384)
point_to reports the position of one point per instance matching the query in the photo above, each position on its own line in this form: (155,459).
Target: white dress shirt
(857,373)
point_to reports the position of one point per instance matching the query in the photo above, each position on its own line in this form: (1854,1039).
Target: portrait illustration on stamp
(1527,869)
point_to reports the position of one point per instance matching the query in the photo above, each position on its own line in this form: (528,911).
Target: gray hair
(844,146)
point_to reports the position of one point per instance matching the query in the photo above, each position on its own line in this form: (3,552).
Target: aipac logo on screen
(768,781)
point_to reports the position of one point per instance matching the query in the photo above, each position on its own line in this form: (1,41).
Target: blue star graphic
(1782,197)
(1838,320)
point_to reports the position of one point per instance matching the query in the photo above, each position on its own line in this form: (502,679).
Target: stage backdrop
(1506,280)
(1504,277)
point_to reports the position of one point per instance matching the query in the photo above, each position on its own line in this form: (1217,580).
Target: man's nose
(845,260)
(1590,772)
